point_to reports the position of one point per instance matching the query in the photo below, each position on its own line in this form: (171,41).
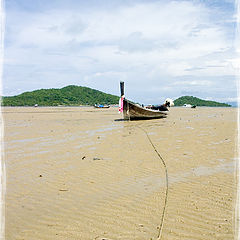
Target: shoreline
(81,174)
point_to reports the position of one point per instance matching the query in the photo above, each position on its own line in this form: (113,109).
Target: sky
(159,48)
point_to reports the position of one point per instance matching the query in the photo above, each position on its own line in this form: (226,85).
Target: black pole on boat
(122,88)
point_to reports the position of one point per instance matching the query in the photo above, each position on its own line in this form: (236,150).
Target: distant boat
(189,106)
(101,106)
(132,111)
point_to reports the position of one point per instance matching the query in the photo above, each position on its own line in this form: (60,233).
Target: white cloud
(154,42)
(193,83)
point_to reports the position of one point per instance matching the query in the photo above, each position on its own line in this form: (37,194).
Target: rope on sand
(166,176)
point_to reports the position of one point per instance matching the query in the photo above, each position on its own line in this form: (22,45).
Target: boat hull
(133,111)
(97,106)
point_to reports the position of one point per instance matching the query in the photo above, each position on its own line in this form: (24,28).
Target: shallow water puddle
(188,127)
(202,171)
(154,182)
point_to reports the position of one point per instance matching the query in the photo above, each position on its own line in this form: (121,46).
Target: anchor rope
(166,177)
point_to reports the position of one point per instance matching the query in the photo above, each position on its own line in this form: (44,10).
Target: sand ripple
(76,173)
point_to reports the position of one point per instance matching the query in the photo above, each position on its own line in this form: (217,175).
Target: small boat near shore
(189,106)
(101,106)
(132,111)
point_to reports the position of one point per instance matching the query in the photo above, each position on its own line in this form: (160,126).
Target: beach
(83,173)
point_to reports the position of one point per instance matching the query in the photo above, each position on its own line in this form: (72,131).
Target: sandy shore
(79,173)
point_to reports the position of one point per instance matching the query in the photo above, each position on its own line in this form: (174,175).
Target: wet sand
(81,173)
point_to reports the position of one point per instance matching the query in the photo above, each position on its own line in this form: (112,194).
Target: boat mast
(122,88)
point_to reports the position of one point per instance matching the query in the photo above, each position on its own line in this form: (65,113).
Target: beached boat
(132,111)
(189,106)
(101,106)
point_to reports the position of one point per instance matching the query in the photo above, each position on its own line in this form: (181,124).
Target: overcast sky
(160,48)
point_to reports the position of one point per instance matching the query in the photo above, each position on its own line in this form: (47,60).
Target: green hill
(70,95)
(198,102)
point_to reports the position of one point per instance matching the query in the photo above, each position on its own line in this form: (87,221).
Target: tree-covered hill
(69,95)
(198,102)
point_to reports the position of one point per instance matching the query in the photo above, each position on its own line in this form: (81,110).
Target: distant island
(198,102)
(76,95)
(68,96)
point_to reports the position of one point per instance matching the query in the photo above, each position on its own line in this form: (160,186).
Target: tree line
(69,95)
(76,95)
(198,102)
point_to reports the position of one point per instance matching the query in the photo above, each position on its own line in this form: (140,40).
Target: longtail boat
(132,111)
(101,106)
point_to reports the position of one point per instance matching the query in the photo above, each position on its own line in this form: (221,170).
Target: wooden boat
(101,106)
(132,111)
(189,106)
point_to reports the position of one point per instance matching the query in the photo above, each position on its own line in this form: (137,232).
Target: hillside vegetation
(198,102)
(76,95)
(70,96)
